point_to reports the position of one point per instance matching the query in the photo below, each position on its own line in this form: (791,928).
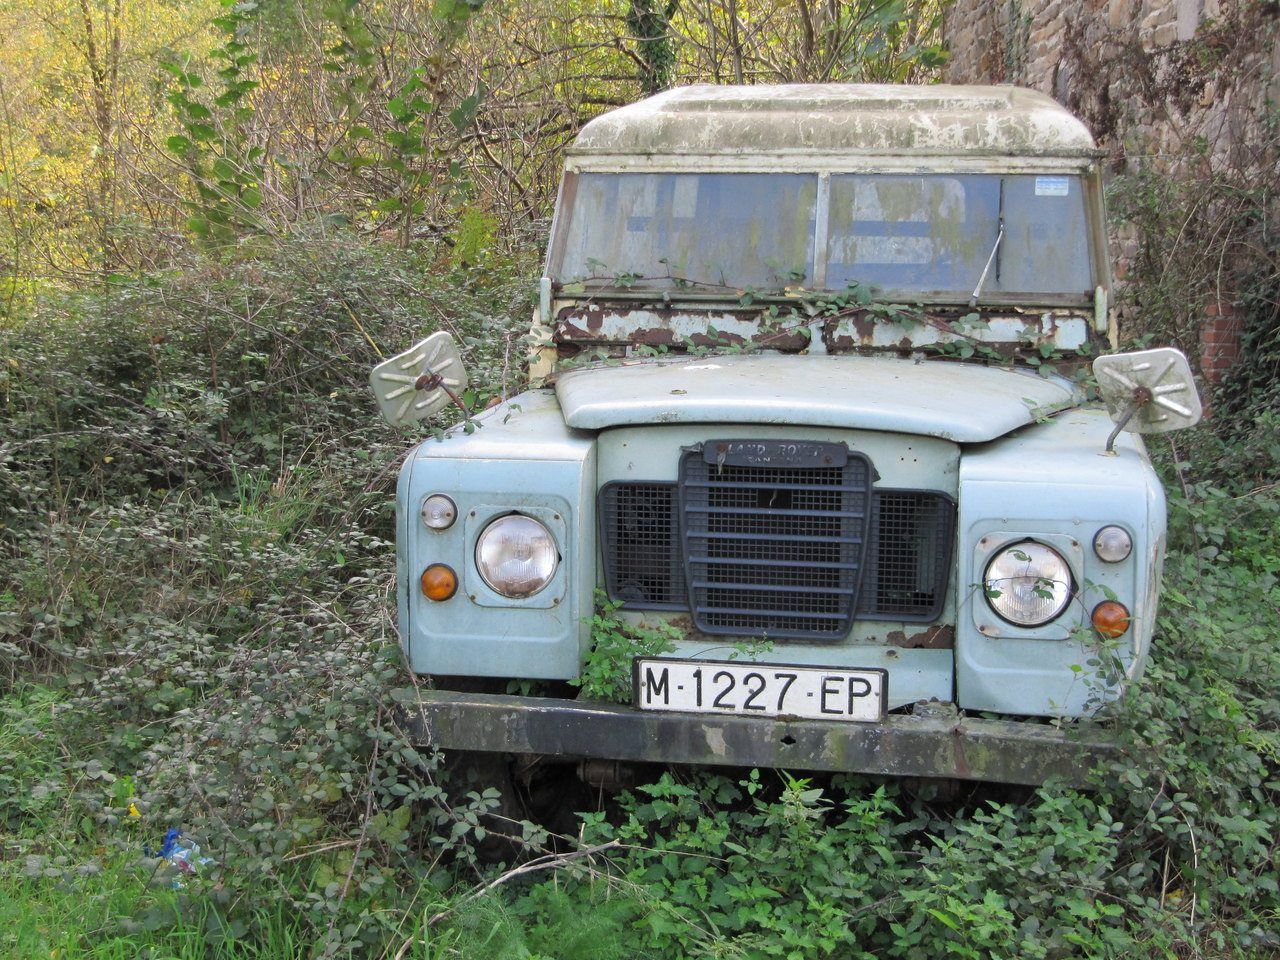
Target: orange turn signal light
(1111,619)
(439,582)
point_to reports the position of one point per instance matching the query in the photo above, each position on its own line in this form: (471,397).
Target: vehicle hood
(963,402)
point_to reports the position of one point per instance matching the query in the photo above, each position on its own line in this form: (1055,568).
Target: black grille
(640,544)
(905,570)
(774,536)
(909,556)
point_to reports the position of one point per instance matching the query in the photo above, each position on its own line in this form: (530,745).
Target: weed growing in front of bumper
(615,642)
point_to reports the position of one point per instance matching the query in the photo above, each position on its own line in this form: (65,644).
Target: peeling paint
(940,637)
(1008,330)
(715,741)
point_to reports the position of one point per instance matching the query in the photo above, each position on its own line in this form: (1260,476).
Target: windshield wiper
(991,257)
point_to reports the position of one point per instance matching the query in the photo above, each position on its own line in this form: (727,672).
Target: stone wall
(1184,87)
(1148,76)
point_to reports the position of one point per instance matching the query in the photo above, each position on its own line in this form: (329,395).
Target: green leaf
(462,116)
(398,109)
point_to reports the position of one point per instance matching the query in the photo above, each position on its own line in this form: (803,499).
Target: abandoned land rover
(811,390)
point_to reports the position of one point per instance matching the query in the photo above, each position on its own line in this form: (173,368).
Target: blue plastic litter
(181,853)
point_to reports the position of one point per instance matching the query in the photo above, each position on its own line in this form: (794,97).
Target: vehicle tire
(465,771)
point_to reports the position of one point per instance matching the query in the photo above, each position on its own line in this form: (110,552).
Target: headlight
(1028,584)
(516,556)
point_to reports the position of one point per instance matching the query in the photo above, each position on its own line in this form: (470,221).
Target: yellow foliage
(81,115)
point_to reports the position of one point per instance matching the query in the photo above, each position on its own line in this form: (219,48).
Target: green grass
(72,917)
(118,912)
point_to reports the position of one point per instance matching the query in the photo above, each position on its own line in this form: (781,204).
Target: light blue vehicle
(810,375)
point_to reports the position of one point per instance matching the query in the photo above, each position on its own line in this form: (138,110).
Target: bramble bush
(196,510)
(196,630)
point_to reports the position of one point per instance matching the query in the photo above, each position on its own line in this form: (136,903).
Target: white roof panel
(838,119)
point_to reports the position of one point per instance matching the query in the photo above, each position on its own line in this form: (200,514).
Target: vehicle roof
(840,119)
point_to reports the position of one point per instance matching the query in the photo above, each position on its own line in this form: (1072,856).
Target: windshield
(919,235)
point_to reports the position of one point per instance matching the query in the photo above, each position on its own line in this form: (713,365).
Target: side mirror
(421,381)
(1150,391)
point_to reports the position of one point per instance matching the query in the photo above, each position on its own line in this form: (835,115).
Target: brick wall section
(1161,83)
(1220,341)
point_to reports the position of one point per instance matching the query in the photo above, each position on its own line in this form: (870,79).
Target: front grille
(639,542)
(905,571)
(774,535)
(909,556)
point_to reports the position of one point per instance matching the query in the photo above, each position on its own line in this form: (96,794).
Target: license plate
(760,689)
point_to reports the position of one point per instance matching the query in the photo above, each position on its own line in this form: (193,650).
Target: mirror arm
(1141,397)
(432,381)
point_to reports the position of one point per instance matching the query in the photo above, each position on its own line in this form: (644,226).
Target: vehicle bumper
(935,742)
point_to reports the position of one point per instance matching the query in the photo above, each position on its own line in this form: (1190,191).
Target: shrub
(197,500)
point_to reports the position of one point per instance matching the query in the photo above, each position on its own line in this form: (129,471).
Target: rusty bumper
(939,743)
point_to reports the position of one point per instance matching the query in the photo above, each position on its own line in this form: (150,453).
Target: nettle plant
(606,671)
(615,642)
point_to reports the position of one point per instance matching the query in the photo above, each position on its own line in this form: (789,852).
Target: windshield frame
(824,168)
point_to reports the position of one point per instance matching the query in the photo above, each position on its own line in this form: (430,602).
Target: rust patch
(683,623)
(654,337)
(839,344)
(786,342)
(939,637)
(721,338)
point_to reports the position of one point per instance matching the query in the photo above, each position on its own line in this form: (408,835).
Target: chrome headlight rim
(1067,581)
(550,550)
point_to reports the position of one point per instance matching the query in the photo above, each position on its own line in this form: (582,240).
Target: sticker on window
(1052,186)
